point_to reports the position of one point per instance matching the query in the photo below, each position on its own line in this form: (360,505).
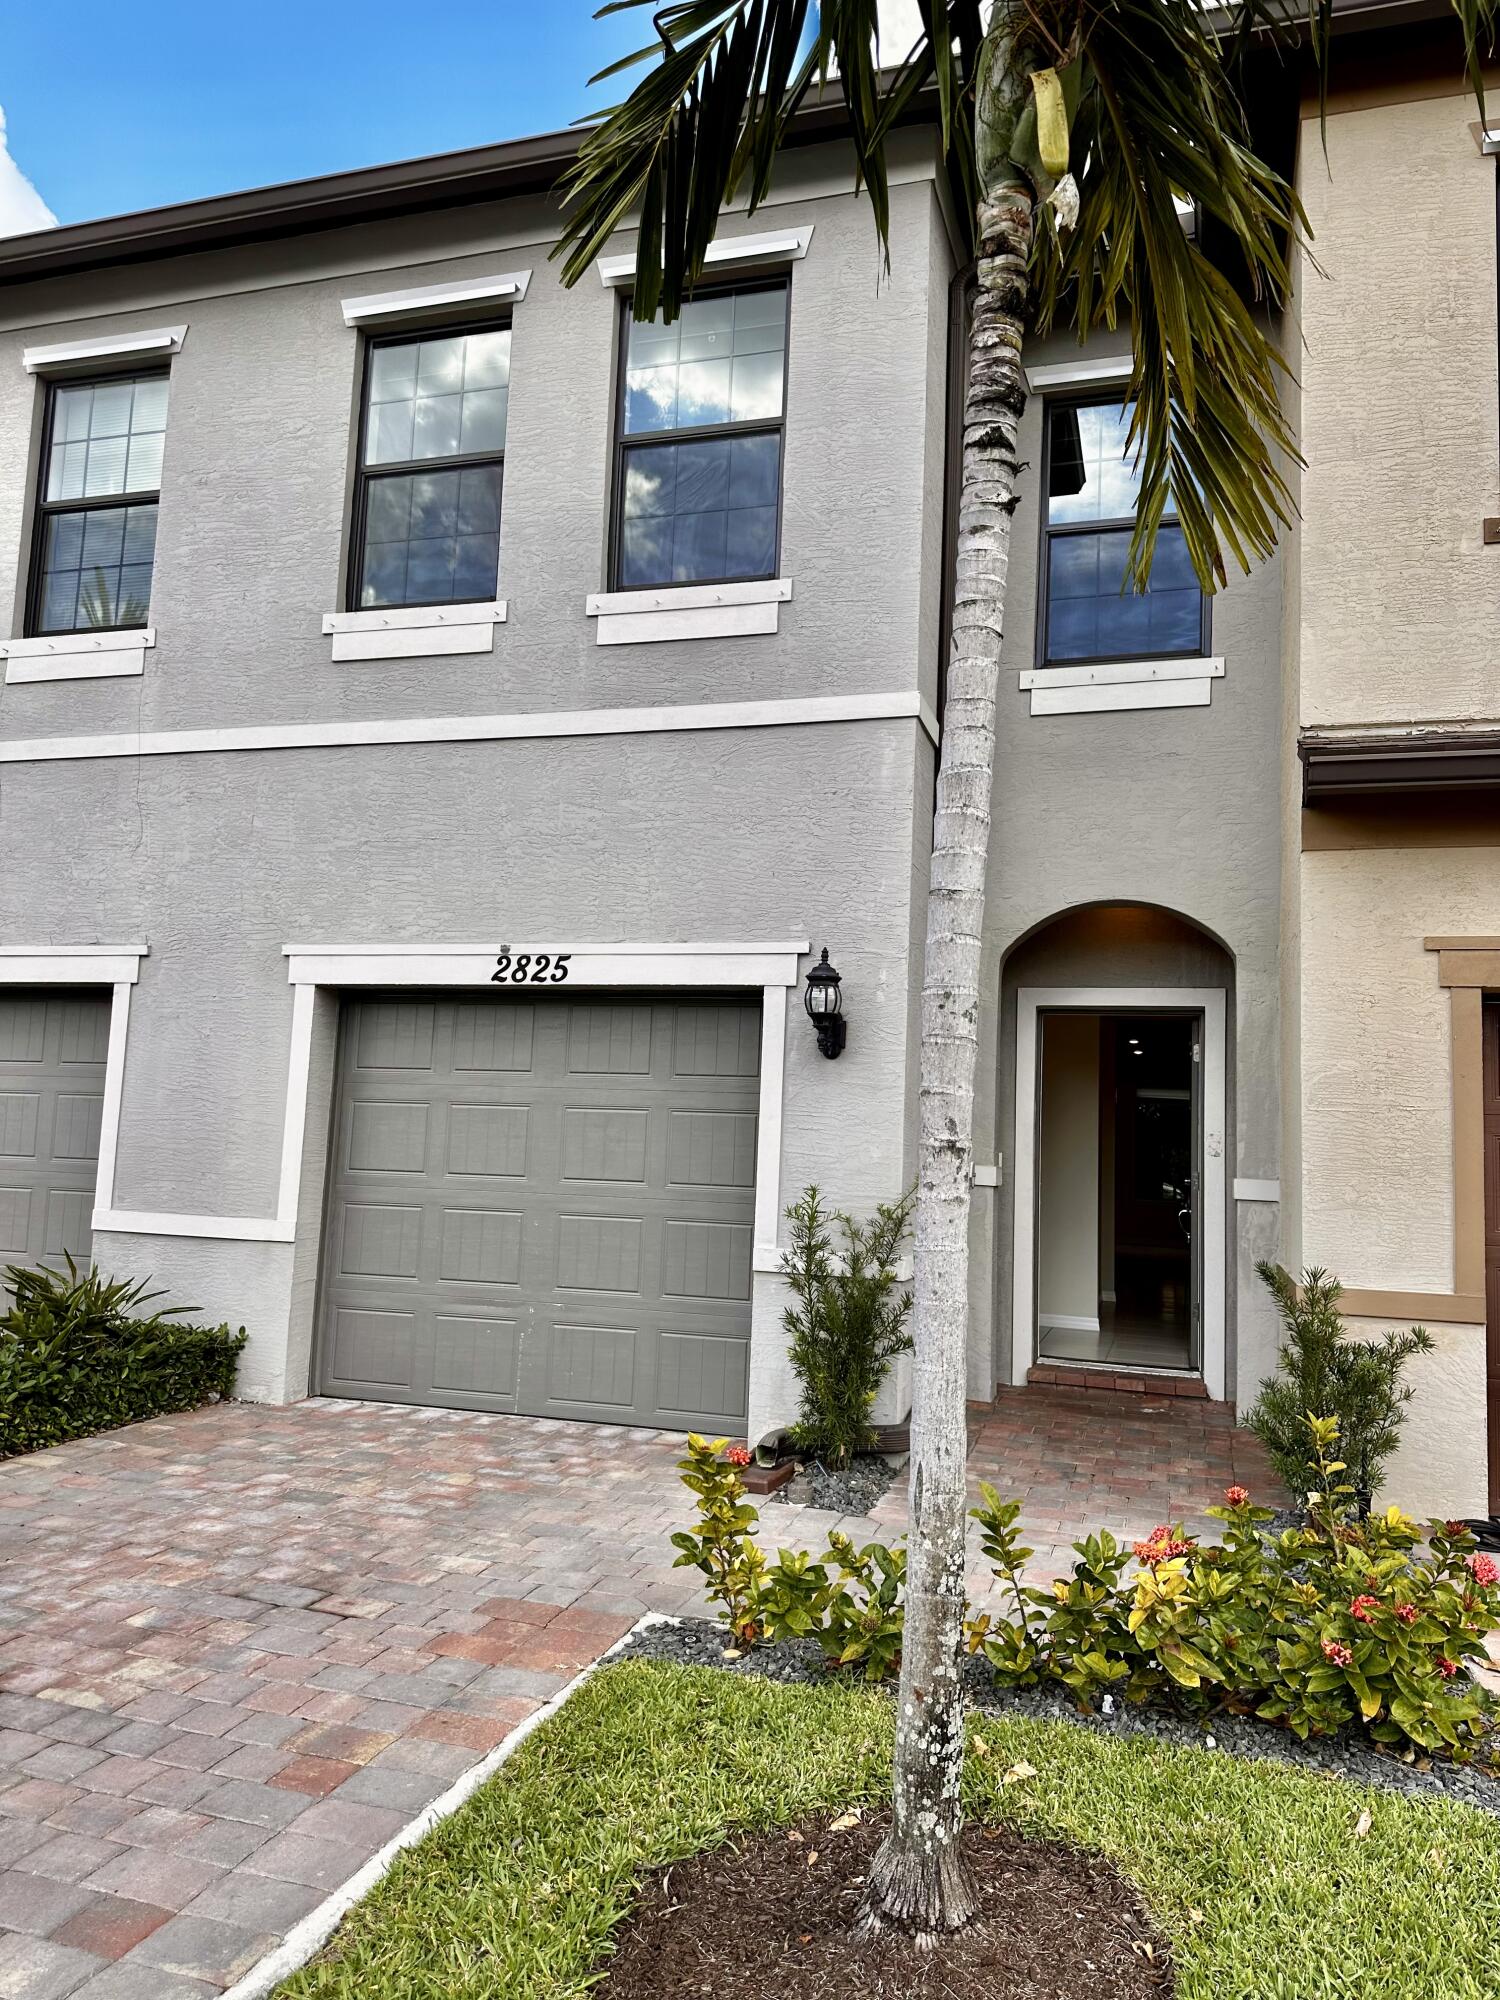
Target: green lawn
(1254,1870)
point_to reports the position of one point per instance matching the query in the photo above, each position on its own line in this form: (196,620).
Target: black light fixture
(825,1007)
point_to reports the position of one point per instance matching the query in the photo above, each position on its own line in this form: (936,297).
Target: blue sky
(107,109)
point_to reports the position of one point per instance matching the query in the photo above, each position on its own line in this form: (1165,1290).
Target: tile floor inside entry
(240,1649)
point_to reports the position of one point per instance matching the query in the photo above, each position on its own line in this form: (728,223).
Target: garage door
(545,1205)
(52,1050)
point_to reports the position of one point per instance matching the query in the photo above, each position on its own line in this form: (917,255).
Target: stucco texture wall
(1399,596)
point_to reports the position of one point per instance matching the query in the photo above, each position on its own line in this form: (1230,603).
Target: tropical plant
(1322,1372)
(79,1353)
(1337,1624)
(721,1547)
(848,1322)
(1071,131)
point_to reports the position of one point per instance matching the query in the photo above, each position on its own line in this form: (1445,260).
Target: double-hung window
(698,472)
(1088,615)
(100,488)
(432,457)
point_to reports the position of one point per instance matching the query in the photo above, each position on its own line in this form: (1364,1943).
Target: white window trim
(688,611)
(1049,377)
(117,966)
(1030,1002)
(414,632)
(781,246)
(772,967)
(76,354)
(379,308)
(76,656)
(1125,684)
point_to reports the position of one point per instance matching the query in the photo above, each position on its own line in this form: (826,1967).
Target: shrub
(1324,1373)
(78,1354)
(848,1324)
(1334,1624)
(721,1547)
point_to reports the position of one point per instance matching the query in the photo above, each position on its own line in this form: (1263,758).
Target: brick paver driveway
(240,1649)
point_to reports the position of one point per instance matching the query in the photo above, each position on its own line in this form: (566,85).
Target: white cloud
(21,207)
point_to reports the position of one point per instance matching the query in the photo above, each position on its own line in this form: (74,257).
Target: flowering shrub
(1334,1623)
(722,1547)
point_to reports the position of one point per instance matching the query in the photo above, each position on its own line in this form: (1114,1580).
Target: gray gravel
(853,1491)
(699,1643)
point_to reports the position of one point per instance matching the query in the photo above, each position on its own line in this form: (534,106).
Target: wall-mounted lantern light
(825,1008)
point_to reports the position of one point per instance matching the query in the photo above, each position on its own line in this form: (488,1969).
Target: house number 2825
(541,968)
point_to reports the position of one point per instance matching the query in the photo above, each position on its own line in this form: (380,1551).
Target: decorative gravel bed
(852,1491)
(700,1643)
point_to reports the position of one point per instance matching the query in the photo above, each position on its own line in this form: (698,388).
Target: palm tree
(1075,134)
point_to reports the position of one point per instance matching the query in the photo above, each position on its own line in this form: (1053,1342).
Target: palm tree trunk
(919,1881)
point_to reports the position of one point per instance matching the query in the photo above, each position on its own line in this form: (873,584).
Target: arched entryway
(1117,1019)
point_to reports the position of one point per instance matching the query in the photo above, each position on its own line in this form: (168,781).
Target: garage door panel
(23,1028)
(489,1139)
(373,1347)
(476,1357)
(388,1138)
(576,1240)
(481,1246)
(69,1214)
(75,1131)
(396,1034)
(83,1030)
(19,1114)
(380,1242)
(711,1149)
(706,1260)
(604,1145)
(698,1373)
(15,1223)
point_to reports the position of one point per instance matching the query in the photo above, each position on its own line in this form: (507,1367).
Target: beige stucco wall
(1400,600)
(1068,1172)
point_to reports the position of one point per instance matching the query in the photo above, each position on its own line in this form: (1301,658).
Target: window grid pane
(443,397)
(1093,476)
(704,511)
(431,537)
(107,438)
(96,568)
(721,361)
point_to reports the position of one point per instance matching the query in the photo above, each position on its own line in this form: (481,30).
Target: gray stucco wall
(217,861)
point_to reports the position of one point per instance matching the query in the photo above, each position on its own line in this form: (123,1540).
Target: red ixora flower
(1484,1569)
(1364,1608)
(1446,1667)
(1236,1496)
(1161,1545)
(1337,1653)
(739,1454)
(1407,1613)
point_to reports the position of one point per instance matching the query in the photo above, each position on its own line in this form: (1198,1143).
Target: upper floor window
(432,455)
(706,507)
(1093,485)
(101,482)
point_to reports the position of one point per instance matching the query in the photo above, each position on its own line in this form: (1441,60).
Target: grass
(1255,1871)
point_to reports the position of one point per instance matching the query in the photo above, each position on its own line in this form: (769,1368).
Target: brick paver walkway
(239,1649)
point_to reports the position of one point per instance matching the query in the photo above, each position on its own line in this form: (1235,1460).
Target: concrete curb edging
(315,1929)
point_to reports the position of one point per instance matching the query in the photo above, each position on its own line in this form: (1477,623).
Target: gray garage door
(52,1050)
(544,1205)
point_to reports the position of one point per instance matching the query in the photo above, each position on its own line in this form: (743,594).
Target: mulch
(772,1915)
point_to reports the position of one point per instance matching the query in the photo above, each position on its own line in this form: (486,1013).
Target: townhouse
(444,723)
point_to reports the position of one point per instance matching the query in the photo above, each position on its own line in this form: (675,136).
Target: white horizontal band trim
(233,1228)
(782,246)
(1193,693)
(1084,374)
(1249,1190)
(797,947)
(71,964)
(1122,673)
(77,667)
(663,720)
(76,642)
(688,597)
(596,967)
(108,347)
(429,298)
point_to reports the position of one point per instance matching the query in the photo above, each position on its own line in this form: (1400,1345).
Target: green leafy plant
(722,1547)
(864,1613)
(848,1322)
(79,1354)
(1338,1623)
(1325,1373)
